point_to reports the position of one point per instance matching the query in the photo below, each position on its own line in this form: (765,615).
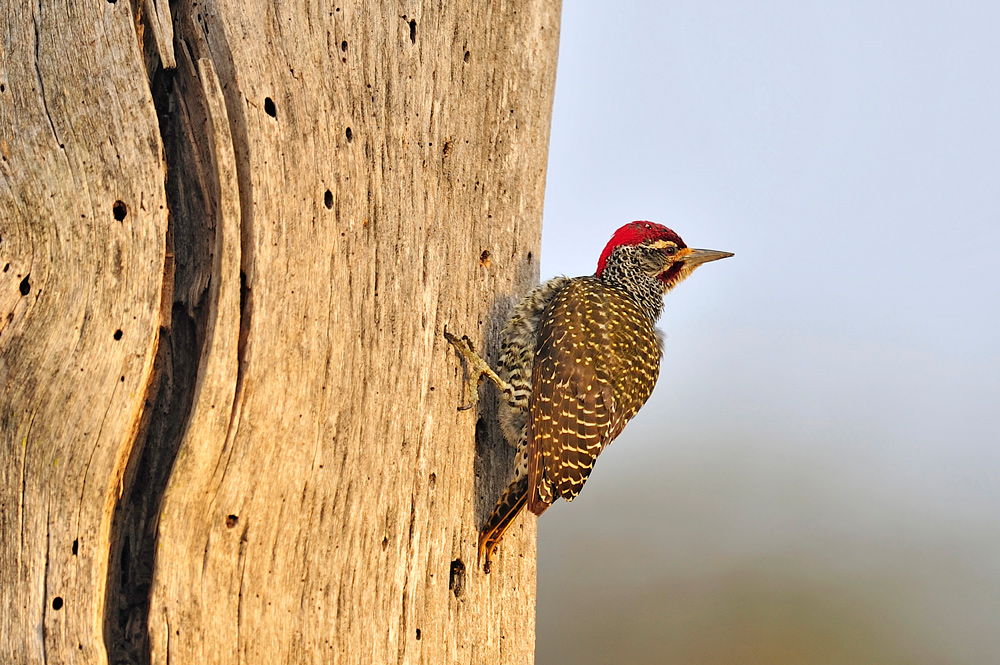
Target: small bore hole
(269,107)
(456,580)
(328,200)
(418,633)
(349,135)
(25,287)
(413,31)
(231,521)
(484,258)
(119,210)
(118,334)
(343,46)
(57,603)
(467,55)
(76,546)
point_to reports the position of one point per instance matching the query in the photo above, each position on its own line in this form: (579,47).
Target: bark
(232,235)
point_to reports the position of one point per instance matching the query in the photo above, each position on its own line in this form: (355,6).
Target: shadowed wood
(344,181)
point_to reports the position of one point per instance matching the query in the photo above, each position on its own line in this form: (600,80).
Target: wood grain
(82,224)
(284,476)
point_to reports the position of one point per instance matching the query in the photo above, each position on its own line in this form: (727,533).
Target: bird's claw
(475,365)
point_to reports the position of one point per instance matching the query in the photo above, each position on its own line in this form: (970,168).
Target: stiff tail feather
(506,509)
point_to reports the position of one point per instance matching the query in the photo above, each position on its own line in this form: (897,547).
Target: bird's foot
(475,366)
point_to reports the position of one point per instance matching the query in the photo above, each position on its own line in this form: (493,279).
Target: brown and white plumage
(578,359)
(598,357)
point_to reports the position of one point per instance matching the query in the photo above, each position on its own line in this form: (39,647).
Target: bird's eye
(670,250)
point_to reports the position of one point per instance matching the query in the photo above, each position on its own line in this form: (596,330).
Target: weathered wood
(82,225)
(344,181)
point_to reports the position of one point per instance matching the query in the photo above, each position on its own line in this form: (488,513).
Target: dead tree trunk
(231,236)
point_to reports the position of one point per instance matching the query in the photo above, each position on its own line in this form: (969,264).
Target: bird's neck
(645,290)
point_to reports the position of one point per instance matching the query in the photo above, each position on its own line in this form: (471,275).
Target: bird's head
(652,250)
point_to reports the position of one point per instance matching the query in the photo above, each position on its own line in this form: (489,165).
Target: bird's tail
(511,503)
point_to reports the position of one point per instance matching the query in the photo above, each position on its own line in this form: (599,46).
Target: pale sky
(829,401)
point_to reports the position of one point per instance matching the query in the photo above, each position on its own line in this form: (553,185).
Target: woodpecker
(578,358)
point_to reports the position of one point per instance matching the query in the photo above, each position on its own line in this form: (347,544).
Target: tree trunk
(232,235)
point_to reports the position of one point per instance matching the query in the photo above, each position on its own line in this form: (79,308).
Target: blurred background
(816,478)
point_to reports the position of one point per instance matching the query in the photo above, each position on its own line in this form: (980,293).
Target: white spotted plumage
(578,358)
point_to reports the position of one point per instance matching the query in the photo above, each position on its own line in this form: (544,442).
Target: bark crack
(93,451)
(196,190)
(168,400)
(239,602)
(38,73)
(45,582)
(24,488)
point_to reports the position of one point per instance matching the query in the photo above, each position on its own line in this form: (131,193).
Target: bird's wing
(589,379)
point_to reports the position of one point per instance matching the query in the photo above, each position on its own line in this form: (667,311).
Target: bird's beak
(695,257)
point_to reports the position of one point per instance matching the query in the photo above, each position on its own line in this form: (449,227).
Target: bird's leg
(477,369)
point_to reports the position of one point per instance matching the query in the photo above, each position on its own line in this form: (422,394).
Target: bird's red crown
(636,233)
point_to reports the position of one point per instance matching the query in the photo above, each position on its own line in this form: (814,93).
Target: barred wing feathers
(596,362)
